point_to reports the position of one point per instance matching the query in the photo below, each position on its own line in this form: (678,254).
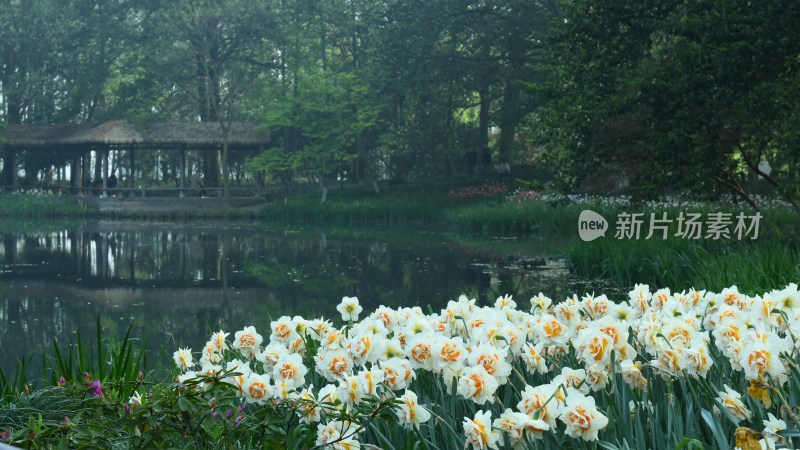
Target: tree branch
(737,190)
(781,189)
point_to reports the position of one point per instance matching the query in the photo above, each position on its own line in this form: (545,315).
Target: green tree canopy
(676,95)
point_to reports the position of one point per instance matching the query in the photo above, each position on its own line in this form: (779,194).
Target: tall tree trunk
(483,119)
(509,115)
(508,121)
(225,168)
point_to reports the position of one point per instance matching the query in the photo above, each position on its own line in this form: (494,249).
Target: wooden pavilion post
(218,176)
(182,168)
(74,173)
(86,181)
(12,167)
(8,156)
(62,171)
(104,152)
(132,155)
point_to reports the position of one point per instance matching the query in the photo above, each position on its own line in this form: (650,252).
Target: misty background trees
(642,97)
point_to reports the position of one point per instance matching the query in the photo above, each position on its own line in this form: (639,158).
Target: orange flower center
(282,331)
(552,328)
(247,340)
(258,390)
(580,418)
(450,352)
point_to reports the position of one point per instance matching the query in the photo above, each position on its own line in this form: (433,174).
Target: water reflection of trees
(392,274)
(113,258)
(186,281)
(304,269)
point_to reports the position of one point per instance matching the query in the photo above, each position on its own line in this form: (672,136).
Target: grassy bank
(501,217)
(483,207)
(765,263)
(758,266)
(42,206)
(350,206)
(222,214)
(377,211)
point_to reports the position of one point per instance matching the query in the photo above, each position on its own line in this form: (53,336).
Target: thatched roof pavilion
(78,140)
(122,133)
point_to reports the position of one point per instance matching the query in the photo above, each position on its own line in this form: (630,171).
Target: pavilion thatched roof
(122,132)
(199,133)
(26,135)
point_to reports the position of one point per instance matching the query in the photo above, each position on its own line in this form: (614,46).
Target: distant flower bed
(695,368)
(522,196)
(670,201)
(489,190)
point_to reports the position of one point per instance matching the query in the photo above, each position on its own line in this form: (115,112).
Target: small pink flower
(62,381)
(5,435)
(96,389)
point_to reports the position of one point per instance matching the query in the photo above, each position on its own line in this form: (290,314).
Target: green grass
(39,206)
(351,212)
(397,205)
(768,262)
(538,218)
(106,359)
(683,265)
(424,204)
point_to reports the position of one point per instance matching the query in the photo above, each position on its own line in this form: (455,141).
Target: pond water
(173,282)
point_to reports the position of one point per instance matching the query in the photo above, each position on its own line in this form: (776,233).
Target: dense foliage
(678,95)
(606,93)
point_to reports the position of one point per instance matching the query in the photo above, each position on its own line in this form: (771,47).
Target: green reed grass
(39,206)
(502,217)
(768,262)
(349,213)
(103,358)
(681,264)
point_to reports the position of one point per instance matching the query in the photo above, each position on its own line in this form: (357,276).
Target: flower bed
(658,370)
(488,190)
